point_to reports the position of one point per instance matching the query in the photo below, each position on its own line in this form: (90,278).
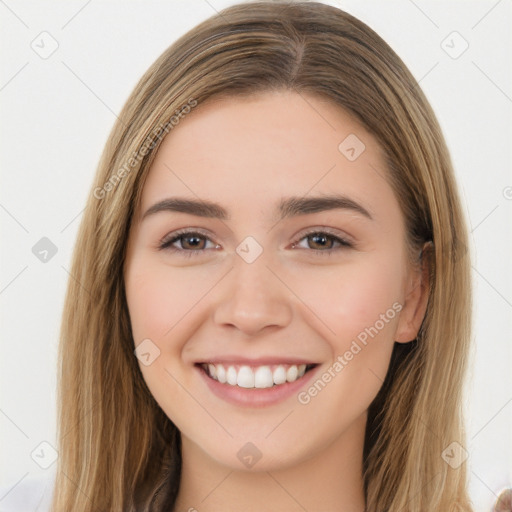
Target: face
(296,303)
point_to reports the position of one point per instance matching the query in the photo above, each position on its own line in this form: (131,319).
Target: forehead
(248,153)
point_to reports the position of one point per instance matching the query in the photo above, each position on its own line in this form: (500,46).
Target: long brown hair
(118,450)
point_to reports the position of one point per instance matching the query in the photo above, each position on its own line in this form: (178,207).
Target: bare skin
(309,301)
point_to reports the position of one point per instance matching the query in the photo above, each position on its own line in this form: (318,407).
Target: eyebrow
(288,207)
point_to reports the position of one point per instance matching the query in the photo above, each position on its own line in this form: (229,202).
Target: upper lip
(260,361)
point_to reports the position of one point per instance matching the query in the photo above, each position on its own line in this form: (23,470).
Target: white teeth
(221,373)
(231,376)
(245,377)
(260,377)
(279,375)
(263,377)
(292,373)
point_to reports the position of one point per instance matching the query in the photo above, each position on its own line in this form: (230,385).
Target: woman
(271,299)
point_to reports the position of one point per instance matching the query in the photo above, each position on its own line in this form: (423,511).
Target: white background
(56,115)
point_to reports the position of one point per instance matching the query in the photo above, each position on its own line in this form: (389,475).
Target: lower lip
(255,397)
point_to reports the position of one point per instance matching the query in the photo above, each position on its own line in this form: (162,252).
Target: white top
(32,493)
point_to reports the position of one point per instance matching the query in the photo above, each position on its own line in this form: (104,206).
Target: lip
(255,397)
(261,361)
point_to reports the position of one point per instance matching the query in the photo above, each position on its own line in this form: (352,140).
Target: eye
(191,242)
(194,242)
(325,240)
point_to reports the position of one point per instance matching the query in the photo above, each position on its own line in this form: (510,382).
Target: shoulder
(31,493)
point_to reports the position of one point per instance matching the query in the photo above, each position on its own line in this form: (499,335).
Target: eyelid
(328,231)
(172,237)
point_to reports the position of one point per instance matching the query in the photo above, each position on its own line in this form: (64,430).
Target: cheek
(369,301)
(350,299)
(159,298)
(361,306)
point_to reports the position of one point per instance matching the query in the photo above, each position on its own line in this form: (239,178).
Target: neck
(330,480)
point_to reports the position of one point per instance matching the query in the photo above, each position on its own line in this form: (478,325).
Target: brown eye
(323,243)
(191,243)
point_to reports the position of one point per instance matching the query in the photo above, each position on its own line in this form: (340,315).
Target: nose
(253,297)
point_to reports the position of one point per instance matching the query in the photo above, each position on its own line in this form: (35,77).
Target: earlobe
(416,298)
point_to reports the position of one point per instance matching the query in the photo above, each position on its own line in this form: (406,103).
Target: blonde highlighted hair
(118,450)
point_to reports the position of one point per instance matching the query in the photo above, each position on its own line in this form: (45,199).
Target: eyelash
(166,243)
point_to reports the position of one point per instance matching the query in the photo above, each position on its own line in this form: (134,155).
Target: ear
(416,298)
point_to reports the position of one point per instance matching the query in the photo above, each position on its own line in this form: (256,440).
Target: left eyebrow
(293,206)
(287,207)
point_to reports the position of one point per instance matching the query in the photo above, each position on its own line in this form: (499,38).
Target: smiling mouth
(258,377)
